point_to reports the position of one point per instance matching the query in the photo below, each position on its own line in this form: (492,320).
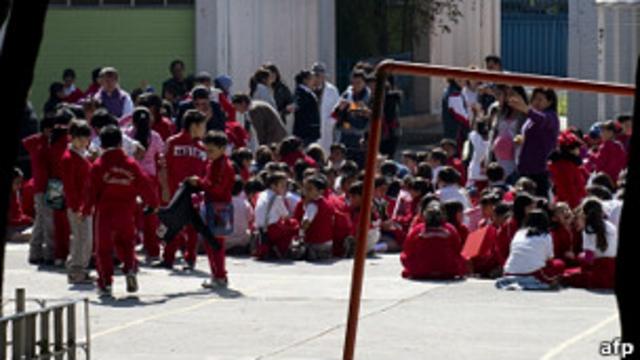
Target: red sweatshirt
(54,156)
(115,181)
(291,159)
(37,145)
(165,128)
(219,180)
(185,157)
(16,216)
(610,158)
(75,172)
(505,235)
(569,181)
(321,228)
(432,253)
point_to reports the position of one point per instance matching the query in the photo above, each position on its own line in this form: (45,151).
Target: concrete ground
(298,311)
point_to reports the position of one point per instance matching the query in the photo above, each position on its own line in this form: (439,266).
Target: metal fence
(535,43)
(49,332)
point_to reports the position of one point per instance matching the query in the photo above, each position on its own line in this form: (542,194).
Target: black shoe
(132,282)
(105,292)
(189,266)
(162,265)
(36,261)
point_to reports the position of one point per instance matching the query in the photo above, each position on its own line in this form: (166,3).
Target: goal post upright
(391,67)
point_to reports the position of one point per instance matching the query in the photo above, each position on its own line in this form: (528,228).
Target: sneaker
(132,283)
(35,260)
(189,266)
(162,265)
(58,263)
(105,292)
(80,278)
(216,283)
(349,246)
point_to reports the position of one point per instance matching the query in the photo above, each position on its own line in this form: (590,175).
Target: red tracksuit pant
(115,231)
(188,241)
(62,231)
(217,259)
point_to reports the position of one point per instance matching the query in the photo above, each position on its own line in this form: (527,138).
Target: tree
(18,54)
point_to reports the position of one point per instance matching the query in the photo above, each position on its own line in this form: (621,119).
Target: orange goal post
(389,67)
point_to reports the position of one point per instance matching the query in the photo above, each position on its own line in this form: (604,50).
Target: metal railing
(29,335)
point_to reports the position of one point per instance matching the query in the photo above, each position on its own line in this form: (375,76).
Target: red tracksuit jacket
(219,180)
(185,157)
(115,181)
(75,173)
(569,181)
(54,156)
(610,159)
(37,145)
(432,253)
(321,228)
(164,127)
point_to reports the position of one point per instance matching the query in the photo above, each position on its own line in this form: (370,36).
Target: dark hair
(302,76)
(263,155)
(316,152)
(389,168)
(253,185)
(238,186)
(359,73)
(150,100)
(299,168)
(501,209)
(68,73)
(537,223)
(241,99)
(200,92)
(451,209)
(524,184)
(600,192)
(424,171)
(192,117)
(433,216)
(275,177)
(420,185)
(54,89)
(241,154)
(494,59)
(79,128)
(289,145)
(274,69)
(394,188)
(550,95)
(318,181)
(602,179)
(259,77)
(202,76)
(349,168)
(174,63)
(410,155)
(594,222)
(95,74)
(449,175)
(110,137)
(141,120)
(380,181)
(490,198)
(338,146)
(624,118)
(495,172)
(520,204)
(102,118)
(439,155)
(356,188)
(216,138)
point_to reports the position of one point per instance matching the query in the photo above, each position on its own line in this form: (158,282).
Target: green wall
(140,43)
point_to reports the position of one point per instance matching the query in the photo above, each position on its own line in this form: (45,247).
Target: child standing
(76,169)
(217,185)
(568,176)
(115,181)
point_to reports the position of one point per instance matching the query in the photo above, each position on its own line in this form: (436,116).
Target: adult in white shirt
(477,171)
(328,96)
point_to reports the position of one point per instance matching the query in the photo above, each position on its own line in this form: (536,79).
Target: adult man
(201,101)
(328,97)
(176,84)
(115,100)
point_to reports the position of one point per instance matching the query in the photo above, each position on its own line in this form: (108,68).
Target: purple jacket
(540,133)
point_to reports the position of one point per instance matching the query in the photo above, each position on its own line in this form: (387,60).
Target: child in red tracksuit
(316,218)
(76,168)
(218,186)
(185,156)
(432,249)
(115,181)
(18,220)
(610,158)
(59,142)
(453,211)
(568,175)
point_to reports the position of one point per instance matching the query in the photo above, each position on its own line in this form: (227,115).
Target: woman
(281,92)
(539,136)
(506,124)
(141,131)
(306,124)
(260,87)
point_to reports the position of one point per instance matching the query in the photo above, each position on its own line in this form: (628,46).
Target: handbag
(219,218)
(54,194)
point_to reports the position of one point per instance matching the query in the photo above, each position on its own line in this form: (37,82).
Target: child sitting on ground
(315,216)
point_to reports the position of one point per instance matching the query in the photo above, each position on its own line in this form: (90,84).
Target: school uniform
(243,222)
(320,214)
(569,178)
(76,171)
(185,157)
(342,226)
(292,158)
(482,251)
(61,227)
(505,235)
(404,213)
(432,253)
(477,175)
(115,182)
(455,193)
(611,158)
(563,242)
(217,185)
(272,217)
(532,255)
(597,268)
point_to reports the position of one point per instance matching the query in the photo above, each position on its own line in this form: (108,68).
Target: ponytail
(595,223)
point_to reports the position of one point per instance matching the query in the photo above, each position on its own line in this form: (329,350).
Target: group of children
(102,185)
